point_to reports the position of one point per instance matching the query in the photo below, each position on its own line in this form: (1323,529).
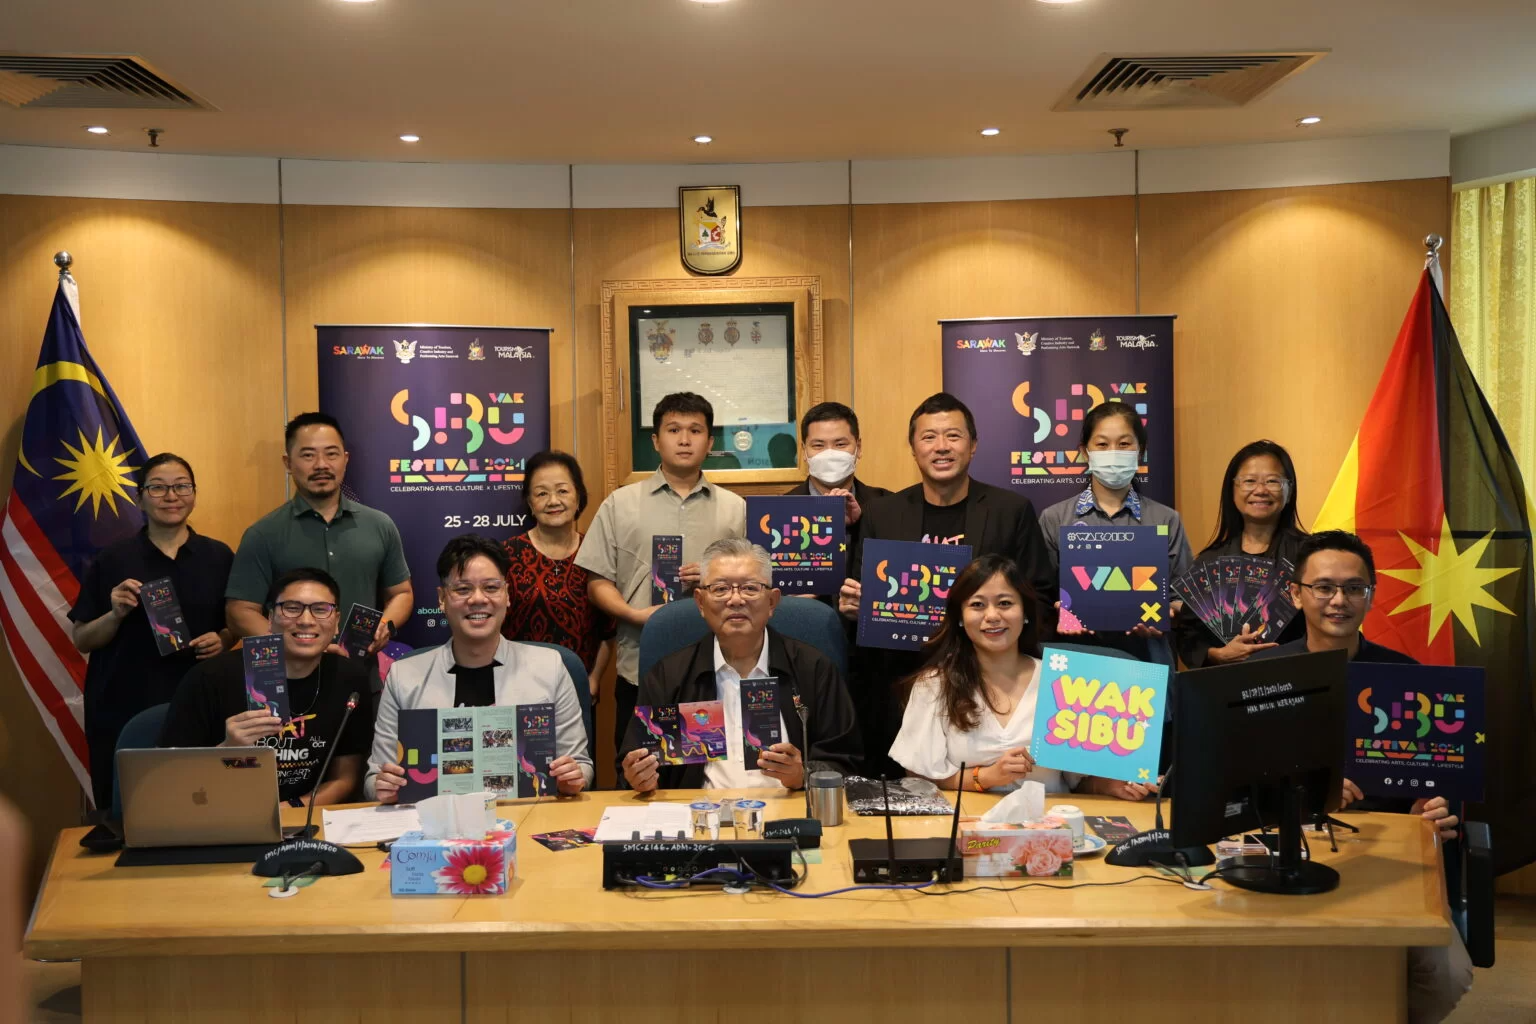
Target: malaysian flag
(72,495)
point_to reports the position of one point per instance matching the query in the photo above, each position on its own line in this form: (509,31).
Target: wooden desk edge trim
(504,937)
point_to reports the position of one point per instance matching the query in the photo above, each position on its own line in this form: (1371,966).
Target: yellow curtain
(1493,303)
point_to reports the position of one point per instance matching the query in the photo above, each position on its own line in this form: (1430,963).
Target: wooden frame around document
(809,362)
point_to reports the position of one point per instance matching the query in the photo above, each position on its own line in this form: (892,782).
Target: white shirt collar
(760,669)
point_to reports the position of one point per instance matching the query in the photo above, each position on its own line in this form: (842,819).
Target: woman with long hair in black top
(1257,517)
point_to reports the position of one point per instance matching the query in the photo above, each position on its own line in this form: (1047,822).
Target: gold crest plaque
(710,223)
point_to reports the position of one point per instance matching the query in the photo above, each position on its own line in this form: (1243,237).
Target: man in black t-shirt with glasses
(210,707)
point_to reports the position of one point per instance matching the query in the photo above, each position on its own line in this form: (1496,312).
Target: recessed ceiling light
(403,138)
(1309,119)
(357,1)
(709,1)
(1058,1)
(96,129)
(704,140)
(991,131)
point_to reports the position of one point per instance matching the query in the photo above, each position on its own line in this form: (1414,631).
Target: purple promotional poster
(439,422)
(1029,380)
(1417,731)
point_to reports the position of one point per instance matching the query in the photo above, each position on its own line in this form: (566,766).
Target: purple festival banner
(1029,380)
(439,422)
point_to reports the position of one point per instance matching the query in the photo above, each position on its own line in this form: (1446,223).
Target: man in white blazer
(477,667)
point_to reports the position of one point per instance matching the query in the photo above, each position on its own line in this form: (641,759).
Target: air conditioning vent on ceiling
(1168,81)
(90,81)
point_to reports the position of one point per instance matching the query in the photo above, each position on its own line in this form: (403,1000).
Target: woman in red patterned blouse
(548,590)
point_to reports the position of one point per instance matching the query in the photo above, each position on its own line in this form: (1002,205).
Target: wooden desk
(206,944)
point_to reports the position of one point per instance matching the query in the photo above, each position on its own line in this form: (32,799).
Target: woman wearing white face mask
(1114,442)
(829,443)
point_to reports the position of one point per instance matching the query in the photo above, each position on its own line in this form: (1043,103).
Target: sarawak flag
(1430,484)
(71,496)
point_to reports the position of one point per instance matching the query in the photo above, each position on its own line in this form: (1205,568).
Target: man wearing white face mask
(1114,440)
(830,447)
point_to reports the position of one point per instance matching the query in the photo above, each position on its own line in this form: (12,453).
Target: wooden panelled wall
(1288,301)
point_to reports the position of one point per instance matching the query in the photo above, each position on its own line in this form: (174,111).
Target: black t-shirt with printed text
(944,524)
(214,691)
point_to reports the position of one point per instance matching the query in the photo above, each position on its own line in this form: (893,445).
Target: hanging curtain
(1493,303)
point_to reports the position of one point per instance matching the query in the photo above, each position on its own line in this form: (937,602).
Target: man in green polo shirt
(320,529)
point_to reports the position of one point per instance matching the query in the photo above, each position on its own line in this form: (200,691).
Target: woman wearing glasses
(212,708)
(476,668)
(1258,517)
(130,669)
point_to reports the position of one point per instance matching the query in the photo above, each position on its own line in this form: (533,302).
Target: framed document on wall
(753,348)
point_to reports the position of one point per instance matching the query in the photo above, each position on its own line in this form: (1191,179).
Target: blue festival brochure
(535,749)
(1102,716)
(761,725)
(358,631)
(690,733)
(1113,578)
(904,587)
(266,674)
(807,538)
(666,563)
(460,750)
(1416,731)
(165,616)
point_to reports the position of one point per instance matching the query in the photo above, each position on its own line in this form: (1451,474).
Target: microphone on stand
(301,855)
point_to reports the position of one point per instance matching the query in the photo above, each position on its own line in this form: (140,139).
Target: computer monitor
(1260,744)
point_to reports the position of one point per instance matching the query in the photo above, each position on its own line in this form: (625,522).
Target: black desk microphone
(302,855)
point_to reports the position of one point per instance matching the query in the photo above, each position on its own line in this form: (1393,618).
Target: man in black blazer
(947,507)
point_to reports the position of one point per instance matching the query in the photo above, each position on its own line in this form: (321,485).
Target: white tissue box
(419,866)
(1035,849)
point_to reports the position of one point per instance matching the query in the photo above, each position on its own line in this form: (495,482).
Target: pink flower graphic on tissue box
(1037,849)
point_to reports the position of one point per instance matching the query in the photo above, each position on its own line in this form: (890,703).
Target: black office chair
(1469,886)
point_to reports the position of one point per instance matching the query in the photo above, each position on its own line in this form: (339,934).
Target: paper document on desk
(384,823)
(620,824)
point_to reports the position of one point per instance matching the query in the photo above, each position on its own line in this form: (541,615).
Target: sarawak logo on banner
(438,436)
(1030,381)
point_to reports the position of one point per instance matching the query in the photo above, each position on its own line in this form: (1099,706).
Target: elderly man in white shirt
(736,596)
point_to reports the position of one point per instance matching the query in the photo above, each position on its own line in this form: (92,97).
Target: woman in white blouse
(974,701)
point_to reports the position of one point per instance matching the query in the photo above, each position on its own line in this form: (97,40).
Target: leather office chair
(1469,885)
(578,673)
(141,732)
(679,624)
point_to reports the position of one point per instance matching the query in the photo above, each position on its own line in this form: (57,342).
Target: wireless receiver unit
(901,861)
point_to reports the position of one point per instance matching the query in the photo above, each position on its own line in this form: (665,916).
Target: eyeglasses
(1253,483)
(293,609)
(749,591)
(161,490)
(1352,591)
(464,591)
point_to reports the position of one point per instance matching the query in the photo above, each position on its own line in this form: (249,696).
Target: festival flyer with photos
(460,750)
(666,565)
(689,733)
(163,610)
(266,674)
(1113,578)
(1096,715)
(806,537)
(1417,731)
(905,585)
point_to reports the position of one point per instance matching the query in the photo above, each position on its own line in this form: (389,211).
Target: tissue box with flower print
(419,866)
(1034,849)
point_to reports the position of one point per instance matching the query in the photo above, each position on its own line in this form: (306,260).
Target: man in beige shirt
(675,500)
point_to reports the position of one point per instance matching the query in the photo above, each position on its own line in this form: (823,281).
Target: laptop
(199,796)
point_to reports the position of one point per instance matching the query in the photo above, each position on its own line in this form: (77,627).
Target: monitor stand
(1285,874)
